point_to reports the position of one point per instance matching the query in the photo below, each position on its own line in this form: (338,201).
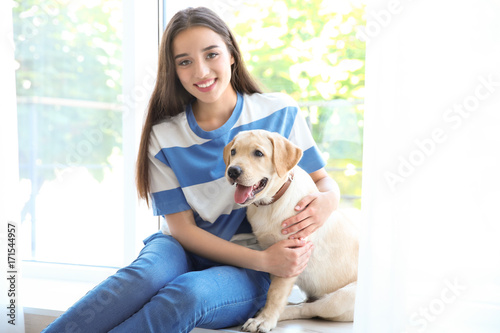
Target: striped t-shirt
(187,167)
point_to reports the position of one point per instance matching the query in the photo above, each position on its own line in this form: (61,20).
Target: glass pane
(69,80)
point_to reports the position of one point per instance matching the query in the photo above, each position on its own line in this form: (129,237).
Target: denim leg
(216,297)
(121,295)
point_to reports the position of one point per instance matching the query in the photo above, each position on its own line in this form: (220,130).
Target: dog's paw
(259,324)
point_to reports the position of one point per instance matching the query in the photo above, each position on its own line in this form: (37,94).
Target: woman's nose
(202,69)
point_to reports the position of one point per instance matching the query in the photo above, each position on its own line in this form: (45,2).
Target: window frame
(142,35)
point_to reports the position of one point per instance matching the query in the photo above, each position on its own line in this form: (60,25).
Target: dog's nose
(234,172)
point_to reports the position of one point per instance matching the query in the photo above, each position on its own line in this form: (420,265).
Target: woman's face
(203,64)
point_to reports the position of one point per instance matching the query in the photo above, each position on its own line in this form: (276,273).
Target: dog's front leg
(277,298)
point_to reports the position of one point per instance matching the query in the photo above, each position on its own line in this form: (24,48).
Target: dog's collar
(280,192)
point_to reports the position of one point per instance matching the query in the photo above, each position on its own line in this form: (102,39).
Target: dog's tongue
(242,193)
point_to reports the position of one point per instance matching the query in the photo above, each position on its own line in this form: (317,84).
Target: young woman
(204,269)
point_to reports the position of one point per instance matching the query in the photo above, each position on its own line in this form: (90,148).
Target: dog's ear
(286,155)
(227,153)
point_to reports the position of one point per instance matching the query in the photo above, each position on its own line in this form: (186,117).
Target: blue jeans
(167,289)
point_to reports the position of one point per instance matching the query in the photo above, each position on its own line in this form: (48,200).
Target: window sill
(50,297)
(50,289)
(45,298)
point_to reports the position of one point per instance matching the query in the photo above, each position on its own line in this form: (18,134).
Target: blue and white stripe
(186,165)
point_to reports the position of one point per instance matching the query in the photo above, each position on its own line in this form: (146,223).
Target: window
(82,88)
(69,80)
(84,74)
(310,51)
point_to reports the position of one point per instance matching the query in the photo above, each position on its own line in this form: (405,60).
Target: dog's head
(258,162)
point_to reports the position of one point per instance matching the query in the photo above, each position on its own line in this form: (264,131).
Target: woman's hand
(314,210)
(287,258)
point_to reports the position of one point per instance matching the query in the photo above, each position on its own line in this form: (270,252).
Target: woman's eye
(184,63)
(233,152)
(212,55)
(258,153)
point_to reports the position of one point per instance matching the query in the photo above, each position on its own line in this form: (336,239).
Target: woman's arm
(286,258)
(315,208)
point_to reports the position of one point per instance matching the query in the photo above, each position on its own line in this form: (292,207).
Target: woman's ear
(286,155)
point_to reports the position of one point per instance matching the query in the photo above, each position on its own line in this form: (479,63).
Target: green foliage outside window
(68,79)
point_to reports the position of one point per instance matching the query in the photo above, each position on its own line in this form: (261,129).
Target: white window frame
(48,289)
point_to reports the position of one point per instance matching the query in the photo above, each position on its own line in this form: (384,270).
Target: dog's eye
(233,152)
(258,153)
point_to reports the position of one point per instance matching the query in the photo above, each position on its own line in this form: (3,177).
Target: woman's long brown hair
(169,97)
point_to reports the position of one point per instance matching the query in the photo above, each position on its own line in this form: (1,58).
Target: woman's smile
(206,86)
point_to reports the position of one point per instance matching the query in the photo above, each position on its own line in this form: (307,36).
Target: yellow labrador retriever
(263,165)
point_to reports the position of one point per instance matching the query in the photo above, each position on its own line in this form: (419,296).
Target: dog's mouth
(243,193)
